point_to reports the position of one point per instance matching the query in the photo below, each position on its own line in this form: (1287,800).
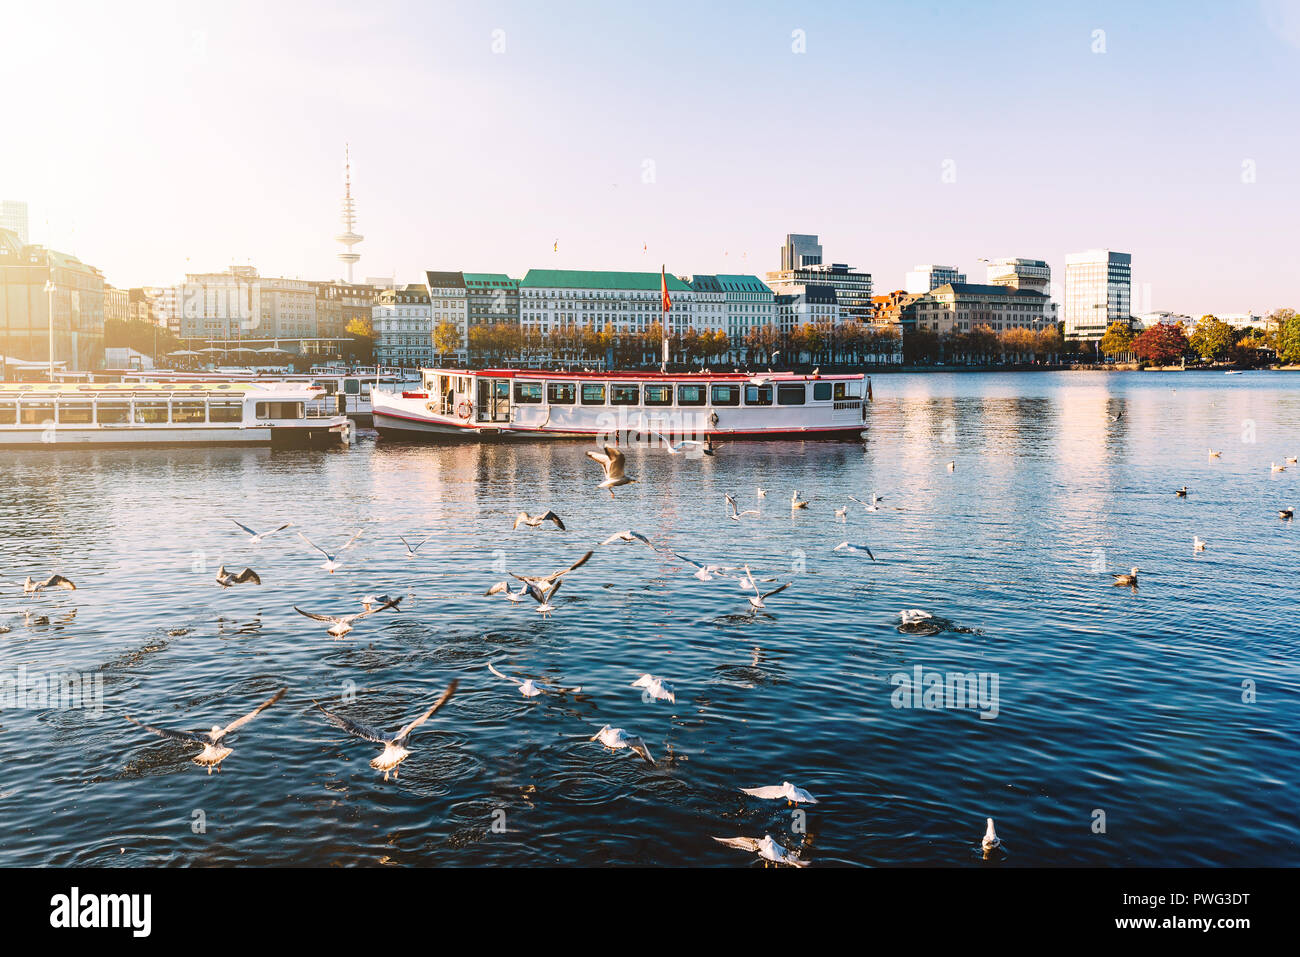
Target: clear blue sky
(154,138)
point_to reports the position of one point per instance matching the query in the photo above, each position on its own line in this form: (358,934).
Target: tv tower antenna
(350,237)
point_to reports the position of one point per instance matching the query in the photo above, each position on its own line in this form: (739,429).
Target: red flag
(663,290)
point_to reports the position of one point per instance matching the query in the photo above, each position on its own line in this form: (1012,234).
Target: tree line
(1212,340)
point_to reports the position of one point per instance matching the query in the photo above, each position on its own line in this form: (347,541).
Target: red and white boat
(523,403)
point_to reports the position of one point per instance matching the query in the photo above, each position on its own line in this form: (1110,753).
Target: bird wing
(352,540)
(493,669)
(313,545)
(552,517)
(278,528)
(245,528)
(174,735)
(405,732)
(240,722)
(248,575)
(773,591)
(564,571)
(617,461)
(58,581)
(520,518)
(749,578)
(330,618)
(637,745)
(748,511)
(603,460)
(750,844)
(497,588)
(362,731)
(767,793)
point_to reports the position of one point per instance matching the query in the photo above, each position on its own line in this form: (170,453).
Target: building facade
(13,217)
(812,304)
(403,323)
(961,307)
(1032,274)
(923,278)
(1098,291)
(449,303)
(800,249)
(77,294)
(852,288)
(621,302)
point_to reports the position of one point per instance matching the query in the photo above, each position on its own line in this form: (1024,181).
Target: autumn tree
(446,338)
(360,344)
(1214,339)
(1161,344)
(1118,340)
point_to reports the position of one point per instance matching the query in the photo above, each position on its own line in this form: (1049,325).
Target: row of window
(120,413)
(661,394)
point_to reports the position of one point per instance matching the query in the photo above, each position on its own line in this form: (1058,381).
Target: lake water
(1155,726)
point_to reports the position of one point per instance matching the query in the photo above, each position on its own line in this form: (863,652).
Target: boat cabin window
(790,394)
(75,413)
(593,393)
(658,395)
(113,413)
(188,411)
(726,395)
(8,413)
(561,393)
(150,413)
(224,410)
(821,391)
(279,410)
(848,390)
(37,413)
(690,395)
(624,393)
(528,393)
(758,395)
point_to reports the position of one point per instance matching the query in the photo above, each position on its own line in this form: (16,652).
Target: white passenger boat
(524,403)
(142,413)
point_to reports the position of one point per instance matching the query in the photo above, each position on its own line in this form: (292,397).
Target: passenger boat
(524,403)
(144,413)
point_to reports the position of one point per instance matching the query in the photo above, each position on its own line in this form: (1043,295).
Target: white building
(806,305)
(403,324)
(240,304)
(1032,274)
(622,302)
(449,302)
(13,217)
(1148,319)
(1098,291)
(926,277)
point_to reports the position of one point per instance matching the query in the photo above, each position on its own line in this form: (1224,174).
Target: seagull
(911,616)
(767,849)
(1291,460)
(256,537)
(656,688)
(1197,544)
(214,752)
(547,580)
(395,751)
(503,587)
(331,561)
(626,536)
(850,547)
(613,462)
(1278,468)
(793,795)
(761,492)
(1287,512)
(991,841)
(683,446)
(54,581)
(872,506)
(1117,416)
(535,521)
(225,579)
(530,688)
(410,549)
(388,601)
(952,466)
(342,624)
(1181,492)
(1214,454)
(842,513)
(797,502)
(1130,579)
(703,572)
(732,513)
(616,739)
(757,598)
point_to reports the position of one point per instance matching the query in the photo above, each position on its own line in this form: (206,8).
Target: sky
(152,139)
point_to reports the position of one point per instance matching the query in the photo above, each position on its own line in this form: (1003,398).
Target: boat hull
(67,437)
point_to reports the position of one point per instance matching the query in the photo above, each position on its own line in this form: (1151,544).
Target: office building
(924,278)
(1098,291)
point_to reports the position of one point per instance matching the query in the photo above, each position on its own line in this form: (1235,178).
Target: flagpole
(665,304)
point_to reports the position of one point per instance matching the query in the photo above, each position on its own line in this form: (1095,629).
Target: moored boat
(524,403)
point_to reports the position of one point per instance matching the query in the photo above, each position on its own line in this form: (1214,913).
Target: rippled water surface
(1127,703)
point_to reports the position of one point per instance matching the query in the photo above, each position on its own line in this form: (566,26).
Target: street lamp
(49,291)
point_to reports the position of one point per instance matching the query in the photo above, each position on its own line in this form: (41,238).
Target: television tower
(350,237)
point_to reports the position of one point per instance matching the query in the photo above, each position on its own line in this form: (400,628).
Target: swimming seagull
(1291,460)
(911,616)
(54,581)
(256,537)
(1130,579)
(767,849)
(797,502)
(1214,454)
(214,752)
(616,739)
(530,688)
(225,579)
(395,750)
(535,521)
(842,513)
(1287,512)
(342,624)
(850,547)
(1181,492)
(733,513)
(990,841)
(656,688)
(331,561)
(1278,468)
(1197,544)
(410,549)
(952,466)
(612,461)
(793,795)
(761,492)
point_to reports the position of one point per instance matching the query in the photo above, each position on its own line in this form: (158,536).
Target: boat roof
(648,376)
(148,388)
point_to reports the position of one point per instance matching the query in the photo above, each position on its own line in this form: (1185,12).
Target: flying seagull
(255,537)
(395,750)
(214,752)
(733,513)
(1130,579)
(530,688)
(225,579)
(612,461)
(766,848)
(54,581)
(547,580)
(850,547)
(535,521)
(683,446)
(656,688)
(504,588)
(388,601)
(340,625)
(616,739)
(410,549)
(793,795)
(331,561)
(758,597)
(872,506)
(627,536)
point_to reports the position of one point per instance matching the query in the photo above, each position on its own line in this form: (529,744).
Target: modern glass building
(1098,291)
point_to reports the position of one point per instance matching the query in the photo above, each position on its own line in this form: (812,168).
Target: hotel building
(403,324)
(622,302)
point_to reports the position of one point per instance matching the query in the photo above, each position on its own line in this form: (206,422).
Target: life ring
(465,409)
(432,407)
